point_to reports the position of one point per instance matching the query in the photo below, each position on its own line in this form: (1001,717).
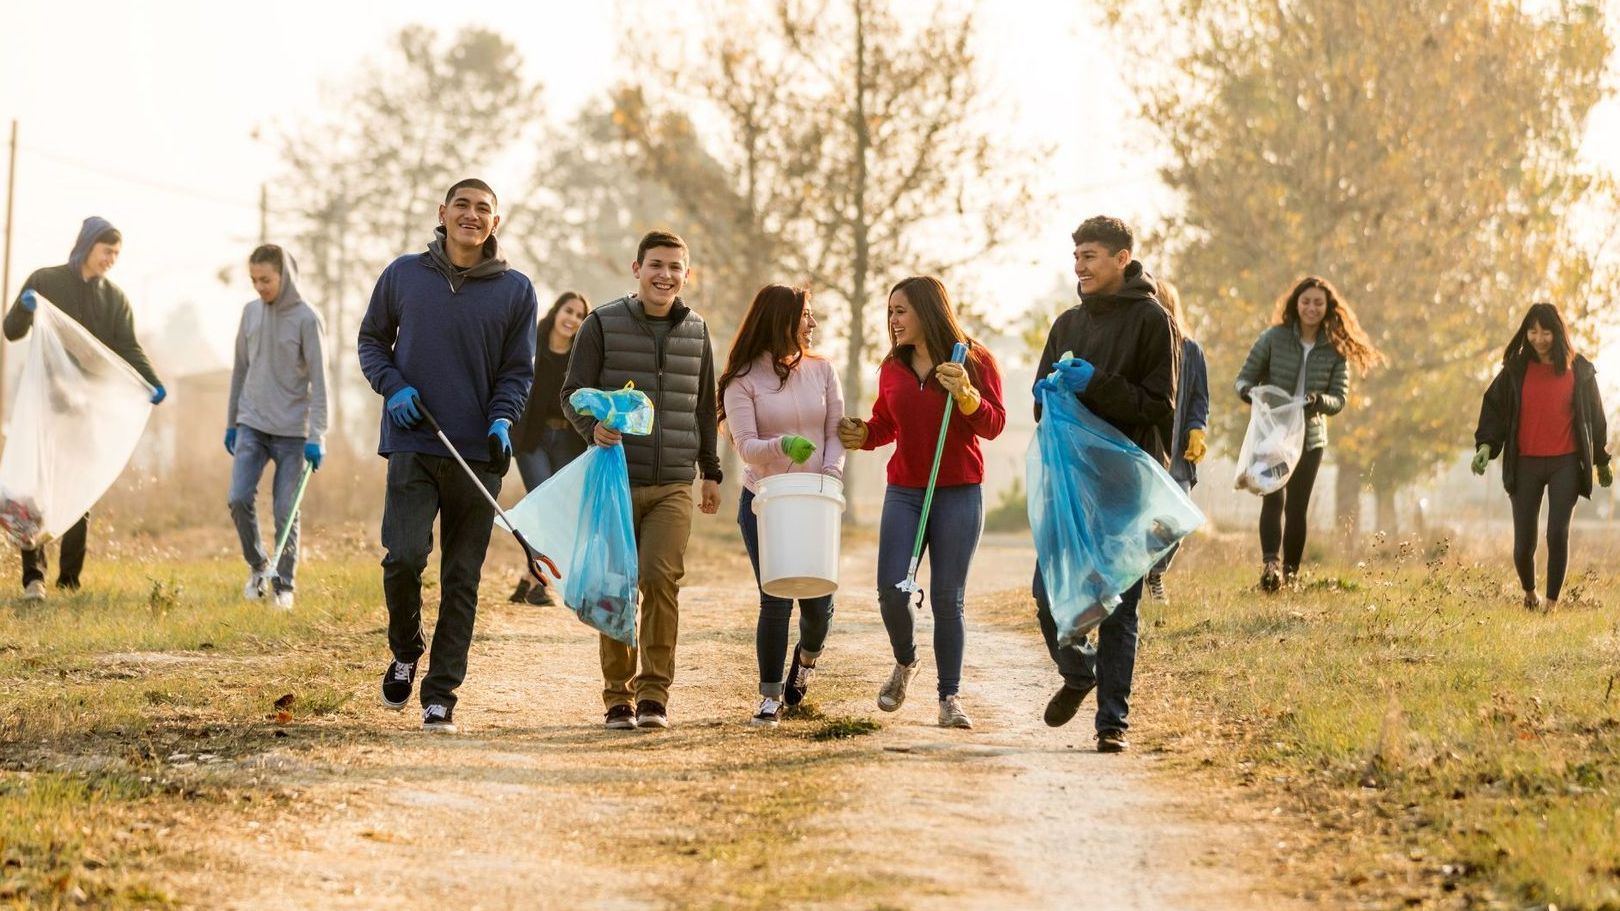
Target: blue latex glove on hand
(29,301)
(313,453)
(230,440)
(1074,374)
(404,408)
(159,394)
(500,447)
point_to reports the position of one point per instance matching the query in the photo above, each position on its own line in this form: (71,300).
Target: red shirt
(1547,412)
(908,411)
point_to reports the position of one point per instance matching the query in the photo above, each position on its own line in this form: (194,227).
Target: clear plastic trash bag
(76,416)
(581,516)
(1274,442)
(1103,512)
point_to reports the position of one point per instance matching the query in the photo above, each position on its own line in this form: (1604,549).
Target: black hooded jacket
(1126,337)
(1499,422)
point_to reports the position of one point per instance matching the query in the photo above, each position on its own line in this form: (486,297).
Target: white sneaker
(951,714)
(258,579)
(769,714)
(284,599)
(893,694)
(34,591)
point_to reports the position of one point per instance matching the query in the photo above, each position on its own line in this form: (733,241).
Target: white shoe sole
(759,722)
(439,728)
(396,706)
(652,724)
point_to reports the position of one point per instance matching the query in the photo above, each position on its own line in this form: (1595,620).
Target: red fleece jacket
(908,411)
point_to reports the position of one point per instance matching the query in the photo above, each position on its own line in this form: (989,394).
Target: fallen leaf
(285,702)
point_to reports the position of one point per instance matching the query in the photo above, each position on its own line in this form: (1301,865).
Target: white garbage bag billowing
(1274,442)
(75,417)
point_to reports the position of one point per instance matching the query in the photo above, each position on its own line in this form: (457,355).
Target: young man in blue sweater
(449,330)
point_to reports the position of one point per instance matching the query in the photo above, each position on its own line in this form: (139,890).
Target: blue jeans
(255,449)
(771,635)
(954,524)
(1110,670)
(557,448)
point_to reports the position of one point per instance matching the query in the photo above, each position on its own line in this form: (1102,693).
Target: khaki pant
(663,517)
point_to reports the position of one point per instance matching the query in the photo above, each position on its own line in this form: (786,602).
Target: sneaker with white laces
(951,714)
(651,715)
(396,684)
(769,714)
(258,581)
(893,694)
(798,679)
(438,719)
(284,599)
(621,718)
(34,591)
(1156,587)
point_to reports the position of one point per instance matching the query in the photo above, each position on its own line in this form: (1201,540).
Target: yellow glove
(954,378)
(1196,448)
(852,432)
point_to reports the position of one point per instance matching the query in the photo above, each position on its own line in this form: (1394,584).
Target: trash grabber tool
(909,584)
(298,500)
(536,561)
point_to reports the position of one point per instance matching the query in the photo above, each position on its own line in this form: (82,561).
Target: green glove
(798,449)
(1605,475)
(1482,458)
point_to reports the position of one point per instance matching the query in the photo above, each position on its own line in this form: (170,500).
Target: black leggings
(1560,477)
(1295,499)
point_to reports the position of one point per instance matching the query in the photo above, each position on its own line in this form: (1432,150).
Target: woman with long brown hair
(780,404)
(1313,340)
(1543,415)
(916,383)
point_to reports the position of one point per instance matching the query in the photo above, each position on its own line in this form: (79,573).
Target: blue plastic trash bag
(1102,510)
(581,516)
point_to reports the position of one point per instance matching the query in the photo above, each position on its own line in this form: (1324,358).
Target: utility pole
(5,273)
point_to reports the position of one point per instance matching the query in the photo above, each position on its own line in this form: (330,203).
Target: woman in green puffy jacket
(1313,341)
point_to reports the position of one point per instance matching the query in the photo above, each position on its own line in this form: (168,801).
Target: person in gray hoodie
(276,413)
(81,290)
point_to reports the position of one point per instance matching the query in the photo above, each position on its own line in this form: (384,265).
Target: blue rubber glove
(230,440)
(404,408)
(1074,374)
(159,394)
(500,447)
(313,453)
(29,301)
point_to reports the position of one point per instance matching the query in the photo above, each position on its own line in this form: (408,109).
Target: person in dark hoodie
(276,413)
(81,290)
(1114,350)
(449,331)
(1188,447)
(653,339)
(1543,415)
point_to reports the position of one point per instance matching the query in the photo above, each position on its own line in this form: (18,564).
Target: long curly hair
(1343,330)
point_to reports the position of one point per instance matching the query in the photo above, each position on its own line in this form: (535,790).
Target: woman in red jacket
(916,383)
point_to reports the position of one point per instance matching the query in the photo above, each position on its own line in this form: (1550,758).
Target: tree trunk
(854,396)
(1347,500)
(1388,522)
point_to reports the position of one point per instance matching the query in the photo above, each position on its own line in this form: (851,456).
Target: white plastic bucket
(800,531)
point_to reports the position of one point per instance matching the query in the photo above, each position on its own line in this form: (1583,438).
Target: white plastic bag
(1274,442)
(75,418)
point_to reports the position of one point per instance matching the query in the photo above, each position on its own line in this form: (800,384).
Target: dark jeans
(35,563)
(254,450)
(771,635)
(1111,669)
(420,487)
(557,448)
(954,524)
(1295,500)
(1559,477)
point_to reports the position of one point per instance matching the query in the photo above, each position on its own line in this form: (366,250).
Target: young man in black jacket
(653,339)
(81,290)
(1125,374)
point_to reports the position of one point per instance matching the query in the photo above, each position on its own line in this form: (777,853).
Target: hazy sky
(145,113)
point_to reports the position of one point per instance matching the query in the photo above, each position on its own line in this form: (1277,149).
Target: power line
(147,182)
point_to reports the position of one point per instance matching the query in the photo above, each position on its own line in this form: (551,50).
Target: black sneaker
(438,719)
(540,596)
(1271,576)
(621,718)
(651,714)
(1112,742)
(1155,583)
(396,684)
(521,593)
(798,679)
(1063,705)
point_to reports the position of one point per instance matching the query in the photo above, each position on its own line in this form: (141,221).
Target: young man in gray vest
(655,340)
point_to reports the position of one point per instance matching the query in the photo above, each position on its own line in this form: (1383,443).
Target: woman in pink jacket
(781,404)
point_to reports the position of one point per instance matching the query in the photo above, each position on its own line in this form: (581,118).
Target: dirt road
(534,805)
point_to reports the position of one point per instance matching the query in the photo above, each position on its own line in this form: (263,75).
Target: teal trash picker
(909,584)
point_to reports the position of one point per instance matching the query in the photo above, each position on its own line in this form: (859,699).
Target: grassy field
(1435,744)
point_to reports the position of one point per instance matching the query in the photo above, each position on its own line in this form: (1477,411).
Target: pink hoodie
(760,410)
